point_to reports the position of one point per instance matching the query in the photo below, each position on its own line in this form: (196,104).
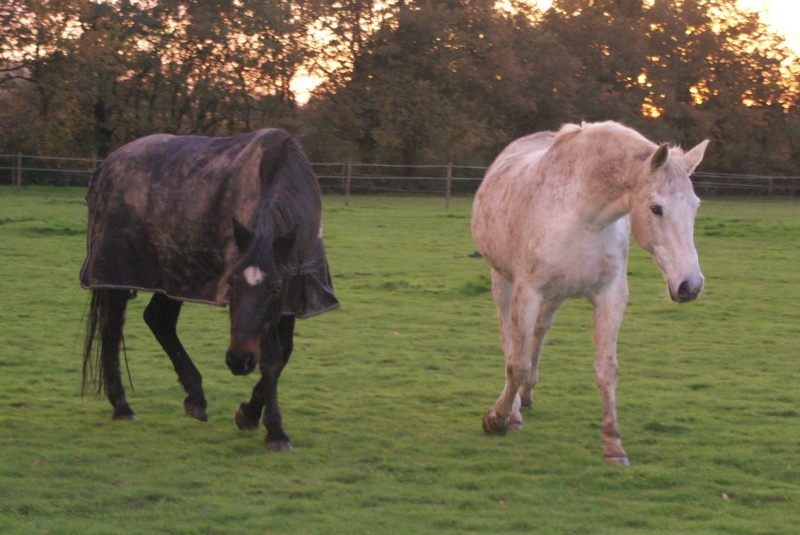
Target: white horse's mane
(610,128)
(570,129)
(607,127)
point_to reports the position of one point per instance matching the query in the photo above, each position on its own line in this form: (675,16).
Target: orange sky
(783,15)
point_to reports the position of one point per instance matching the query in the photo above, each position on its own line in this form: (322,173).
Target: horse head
(256,295)
(663,210)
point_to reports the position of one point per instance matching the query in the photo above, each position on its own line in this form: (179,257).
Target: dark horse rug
(161,213)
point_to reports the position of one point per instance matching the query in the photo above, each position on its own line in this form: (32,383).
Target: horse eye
(657,210)
(233,279)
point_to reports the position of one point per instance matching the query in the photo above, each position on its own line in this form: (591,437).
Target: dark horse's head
(256,294)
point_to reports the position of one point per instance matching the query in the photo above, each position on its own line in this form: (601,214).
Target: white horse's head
(663,209)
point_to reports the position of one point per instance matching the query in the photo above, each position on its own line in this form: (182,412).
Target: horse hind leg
(109,306)
(161,315)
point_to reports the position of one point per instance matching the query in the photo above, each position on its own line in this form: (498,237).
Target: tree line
(398,81)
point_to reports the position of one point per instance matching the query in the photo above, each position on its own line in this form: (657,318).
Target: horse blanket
(161,213)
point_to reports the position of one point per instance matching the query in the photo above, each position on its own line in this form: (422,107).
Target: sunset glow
(781,15)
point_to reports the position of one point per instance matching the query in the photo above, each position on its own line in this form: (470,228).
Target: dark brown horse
(211,220)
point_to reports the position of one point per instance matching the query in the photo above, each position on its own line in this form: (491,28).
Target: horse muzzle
(241,362)
(688,290)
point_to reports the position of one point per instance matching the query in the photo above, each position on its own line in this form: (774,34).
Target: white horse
(553,217)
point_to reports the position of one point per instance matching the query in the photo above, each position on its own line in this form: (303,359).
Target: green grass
(383,398)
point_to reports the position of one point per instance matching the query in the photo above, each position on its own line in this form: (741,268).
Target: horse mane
(638,146)
(290,196)
(569,130)
(606,128)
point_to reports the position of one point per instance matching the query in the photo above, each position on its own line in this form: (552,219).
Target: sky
(782,15)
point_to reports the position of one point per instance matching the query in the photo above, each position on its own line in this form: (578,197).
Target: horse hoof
(278,445)
(515,422)
(491,426)
(243,422)
(124,413)
(621,460)
(195,411)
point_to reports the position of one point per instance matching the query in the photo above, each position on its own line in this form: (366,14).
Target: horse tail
(92,363)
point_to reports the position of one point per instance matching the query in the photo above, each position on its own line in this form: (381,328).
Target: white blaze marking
(253,275)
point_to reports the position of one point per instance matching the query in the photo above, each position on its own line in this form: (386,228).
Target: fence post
(348,174)
(448,186)
(18,171)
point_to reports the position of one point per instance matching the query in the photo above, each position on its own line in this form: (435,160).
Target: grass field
(383,398)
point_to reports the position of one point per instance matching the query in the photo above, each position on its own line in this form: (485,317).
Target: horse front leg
(501,291)
(161,315)
(111,317)
(609,308)
(518,308)
(276,349)
(249,413)
(276,439)
(544,323)
(280,344)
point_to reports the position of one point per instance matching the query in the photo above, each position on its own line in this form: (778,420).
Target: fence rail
(352,178)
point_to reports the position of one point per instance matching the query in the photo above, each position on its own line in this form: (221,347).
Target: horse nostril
(687,291)
(683,289)
(240,363)
(229,360)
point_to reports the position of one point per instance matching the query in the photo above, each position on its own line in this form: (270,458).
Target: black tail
(92,347)
(92,363)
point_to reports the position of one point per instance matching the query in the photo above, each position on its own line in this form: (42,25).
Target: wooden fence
(354,178)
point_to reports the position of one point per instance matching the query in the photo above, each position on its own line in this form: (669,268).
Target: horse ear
(241,235)
(693,158)
(283,244)
(660,157)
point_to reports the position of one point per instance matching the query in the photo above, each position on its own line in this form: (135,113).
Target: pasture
(384,397)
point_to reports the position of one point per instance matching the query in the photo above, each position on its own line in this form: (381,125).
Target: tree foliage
(111,72)
(402,81)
